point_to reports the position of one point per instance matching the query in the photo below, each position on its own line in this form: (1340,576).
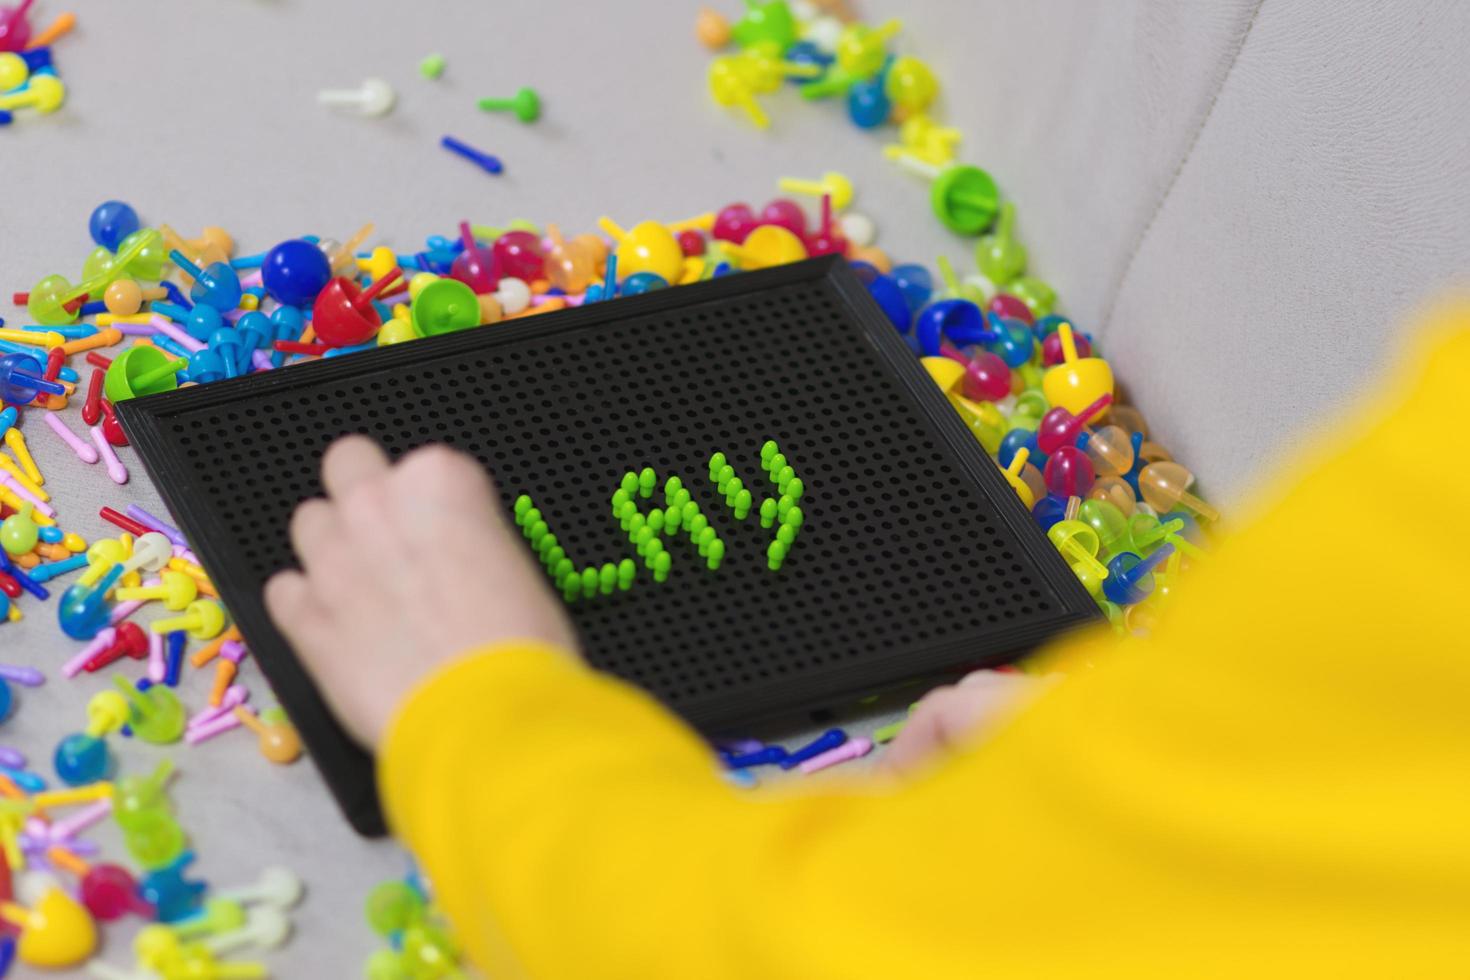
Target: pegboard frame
(347,769)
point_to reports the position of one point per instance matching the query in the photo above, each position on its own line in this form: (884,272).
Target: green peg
(608,578)
(590,579)
(768,512)
(531,516)
(154,839)
(627,572)
(546,545)
(733,488)
(536,532)
(522,505)
(444,306)
(647,480)
(794,488)
(626,513)
(553,557)
(526,104)
(786,534)
(775,555)
(662,562)
(134,795)
(774,464)
(629,485)
(158,716)
(783,478)
(954,289)
(562,570)
(144,370)
(889,732)
(19,532)
(432,66)
(770,25)
(783,507)
(1039,297)
(393,906)
(651,551)
(619,498)
(637,523)
(724,476)
(965,199)
(716,463)
(571,587)
(682,499)
(716,555)
(673,519)
(742,505)
(768,449)
(656,520)
(794,517)
(696,525)
(704,539)
(672,486)
(998,255)
(641,537)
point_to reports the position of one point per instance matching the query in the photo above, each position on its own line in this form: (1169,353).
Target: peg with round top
(374,97)
(203,619)
(343,314)
(1165,485)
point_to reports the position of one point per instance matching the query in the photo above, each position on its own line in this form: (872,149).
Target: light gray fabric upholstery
(1242,198)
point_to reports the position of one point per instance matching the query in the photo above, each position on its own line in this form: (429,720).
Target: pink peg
(102,641)
(157,661)
(76,823)
(208,730)
(123,610)
(235,695)
(20,491)
(233,651)
(84,452)
(853,748)
(184,340)
(251,279)
(115,468)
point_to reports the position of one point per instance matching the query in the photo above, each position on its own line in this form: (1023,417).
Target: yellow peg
(343,255)
(33,338)
(832,183)
(1013,477)
(67,797)
(19,475)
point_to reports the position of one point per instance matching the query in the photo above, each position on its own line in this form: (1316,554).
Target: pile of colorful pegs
(29,81)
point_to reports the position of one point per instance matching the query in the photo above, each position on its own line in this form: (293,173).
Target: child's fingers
(314,525)
(350,461)
(289,602)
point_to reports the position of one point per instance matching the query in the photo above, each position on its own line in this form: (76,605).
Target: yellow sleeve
(1275,782)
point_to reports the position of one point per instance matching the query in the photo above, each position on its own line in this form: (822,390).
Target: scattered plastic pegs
(1164,485)
(343,314)
(142,370)
(832,183)
(293,272)
(157,716)
(767,246)
(374,97)
(279,741)
(647,247)
(476,265)
(444,306)
(526,104)
(22,379)
(45,94)
(83,757)
(215,285)
(57,933)
(1129,576)
(203,619)
(1060,427)
(1077,382)
(485,161)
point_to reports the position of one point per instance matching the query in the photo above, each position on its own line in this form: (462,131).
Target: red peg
(1060,427)
(10,586)
(99,360)
(111,428)
(987,378)
(786,213)
(123,521)
(1006,305)
(343,315)
(691,241)
(826,240)
(518,255)
(131,642)
(297,347)
(92,407)
(475,266)
(1051,348)
(732,224)
(54,359)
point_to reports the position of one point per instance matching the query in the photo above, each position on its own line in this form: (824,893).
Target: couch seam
(1112,301)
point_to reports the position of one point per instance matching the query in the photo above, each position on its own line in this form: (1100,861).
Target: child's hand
(960,713)
(405,567)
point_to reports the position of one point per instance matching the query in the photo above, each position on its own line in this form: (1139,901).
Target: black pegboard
(916,557)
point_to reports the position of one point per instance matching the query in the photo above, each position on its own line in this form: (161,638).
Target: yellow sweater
(1276,782)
